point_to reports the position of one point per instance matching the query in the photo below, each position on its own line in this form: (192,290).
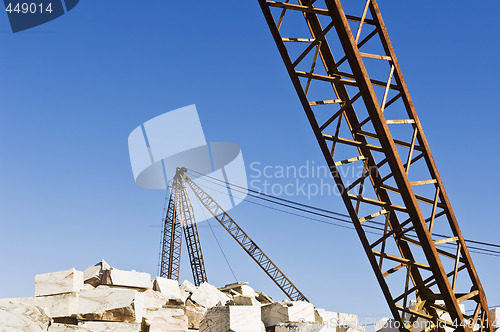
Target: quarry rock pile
(103,298)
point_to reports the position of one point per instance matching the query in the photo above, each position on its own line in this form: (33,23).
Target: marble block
(69,281)
(286,312)
(154,300)
(61,305)
(130,279)
(169,288)
(194,315)
(297,327)
(16,317)
(96,327)
(245,300)
(208,296)
(232,319)
(347,321)
(327,320)
(111,304)
(166,319)
(386,325)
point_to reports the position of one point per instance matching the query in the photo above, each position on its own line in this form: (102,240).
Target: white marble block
(186,289)
(208,296)
(386,325)
(96,327)
(61,305)
(166,319)
(93,274)
(327,320)
(263,298)
(20,317)
(194,315)
(130,279)
(154,300)
(111,304)
(347,321)
(245,300)
(495,318)
(240,288)
(169,288)
(356,329)
(232,319)
(297,327)
(286,312)
(70,281)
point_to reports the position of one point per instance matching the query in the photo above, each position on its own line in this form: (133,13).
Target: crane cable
(302,208)
(481,251)
(216,239)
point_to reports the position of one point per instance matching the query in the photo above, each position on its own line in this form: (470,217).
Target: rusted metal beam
(373,138)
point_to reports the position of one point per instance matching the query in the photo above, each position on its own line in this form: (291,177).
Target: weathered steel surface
(361,113)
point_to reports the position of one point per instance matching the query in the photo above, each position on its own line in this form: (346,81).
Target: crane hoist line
(349,82)
(180,219)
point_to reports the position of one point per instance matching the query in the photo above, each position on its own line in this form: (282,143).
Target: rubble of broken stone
(103,298)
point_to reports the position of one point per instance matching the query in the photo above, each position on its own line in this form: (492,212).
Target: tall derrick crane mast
(361,118)
(180,217)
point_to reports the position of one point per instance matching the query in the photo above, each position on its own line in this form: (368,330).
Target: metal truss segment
(375,141)
(245,242)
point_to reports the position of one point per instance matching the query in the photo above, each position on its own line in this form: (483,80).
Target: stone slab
(296,327)
(328,320)
(386,325)
(154,300)
(93,275)
(194,315)
(69,281)
(347,320)
(96,327)
(111,304)
(232,319)
(61,305)
(286,312)
(130,279)
(208,296)
(166,319)
(187,287)
(263,298)
(15,317)
(246,300)
(241,288)
(495,317)
(169,288)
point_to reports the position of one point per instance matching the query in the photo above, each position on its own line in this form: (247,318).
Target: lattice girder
(398,191)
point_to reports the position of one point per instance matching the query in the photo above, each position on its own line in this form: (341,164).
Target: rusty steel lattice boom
(347,77)
(250,247)
(180,216)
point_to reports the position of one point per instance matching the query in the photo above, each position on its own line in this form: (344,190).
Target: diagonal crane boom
(250,247)
(365,120)
(180,216)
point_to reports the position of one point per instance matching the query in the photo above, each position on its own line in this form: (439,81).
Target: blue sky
(73,89)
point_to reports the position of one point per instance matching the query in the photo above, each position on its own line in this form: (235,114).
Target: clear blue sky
(72,90)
